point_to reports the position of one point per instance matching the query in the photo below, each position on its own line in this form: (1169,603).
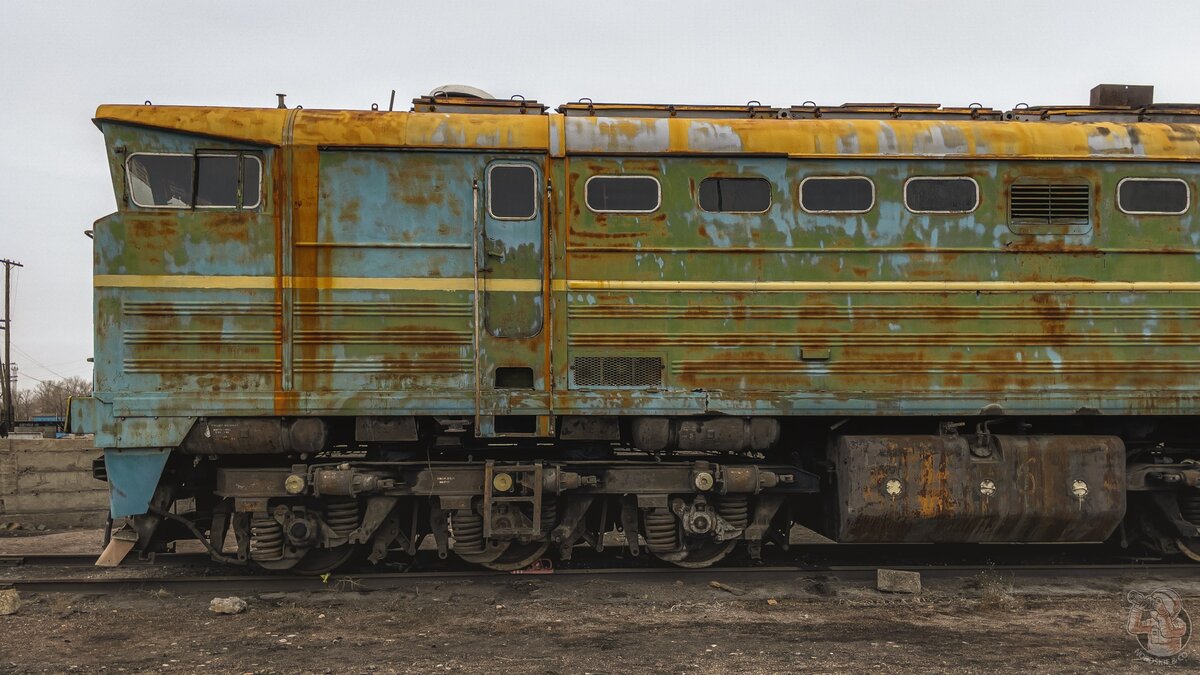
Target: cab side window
(203,180)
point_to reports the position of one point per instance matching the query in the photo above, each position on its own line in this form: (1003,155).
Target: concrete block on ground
(49,482)
(897,581)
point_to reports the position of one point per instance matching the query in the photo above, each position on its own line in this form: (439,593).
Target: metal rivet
(294,484)
(1079,489)
(893,487)
(987,487)
(704,481)
(502,482)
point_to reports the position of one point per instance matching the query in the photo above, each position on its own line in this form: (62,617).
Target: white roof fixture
(461,98)
(460,91)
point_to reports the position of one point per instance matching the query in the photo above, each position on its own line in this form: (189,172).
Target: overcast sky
(59,60)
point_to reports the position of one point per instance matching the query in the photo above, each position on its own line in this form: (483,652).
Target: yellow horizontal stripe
(180,281)
(322,283)
(891,286)
(535,285)
(415,284)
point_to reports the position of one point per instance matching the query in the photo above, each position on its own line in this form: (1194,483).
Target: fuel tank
(985,488)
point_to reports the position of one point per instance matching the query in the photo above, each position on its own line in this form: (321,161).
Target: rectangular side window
(1153,196)
(938,194)
(160,180)
(251,181)
(837,194)
(217,180)
(512,192)
(734,195)
(622,194)
(212,180)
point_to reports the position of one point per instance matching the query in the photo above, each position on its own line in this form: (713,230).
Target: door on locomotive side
(512,354)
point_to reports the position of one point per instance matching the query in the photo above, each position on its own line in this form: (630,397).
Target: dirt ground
(534,624)
(51,541)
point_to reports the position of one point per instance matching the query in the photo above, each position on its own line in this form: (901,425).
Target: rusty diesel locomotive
(496,330)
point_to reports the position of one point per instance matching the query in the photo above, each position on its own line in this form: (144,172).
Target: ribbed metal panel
(1050,204)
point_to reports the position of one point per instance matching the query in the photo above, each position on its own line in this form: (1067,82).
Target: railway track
(193,573)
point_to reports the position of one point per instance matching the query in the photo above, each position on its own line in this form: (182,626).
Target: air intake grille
(1050,204)
(618,371)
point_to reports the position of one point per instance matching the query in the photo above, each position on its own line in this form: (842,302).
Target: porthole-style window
(1153,196)
(512,191)
(622,194)
(734,195)
(837,194)
(941,194)
(203,180)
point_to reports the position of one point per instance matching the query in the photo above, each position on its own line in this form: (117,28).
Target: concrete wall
(49,482)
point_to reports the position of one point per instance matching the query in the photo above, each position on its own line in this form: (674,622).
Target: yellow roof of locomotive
(556,134)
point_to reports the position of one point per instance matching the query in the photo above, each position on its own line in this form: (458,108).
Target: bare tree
(22,404)
(50,397)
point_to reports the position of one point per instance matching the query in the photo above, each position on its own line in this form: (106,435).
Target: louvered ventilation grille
(1050,204)
(618,371)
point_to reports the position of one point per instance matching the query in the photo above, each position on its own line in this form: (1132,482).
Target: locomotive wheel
(707,554)
(1190,547)
(324,560)
(518,556)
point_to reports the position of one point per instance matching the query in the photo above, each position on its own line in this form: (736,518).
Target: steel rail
(10,560)
(378,581)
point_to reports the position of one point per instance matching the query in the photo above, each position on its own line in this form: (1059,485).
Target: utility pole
(7,425)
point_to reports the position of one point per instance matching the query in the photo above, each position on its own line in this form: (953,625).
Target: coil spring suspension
(662,532)
(467,527)
(342,516)
(266,539)
(549,514)
(735,511)
(1189,506)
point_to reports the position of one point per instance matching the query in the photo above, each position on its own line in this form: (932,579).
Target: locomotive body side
(512,290)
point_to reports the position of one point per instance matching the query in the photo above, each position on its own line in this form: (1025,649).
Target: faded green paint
(300,337)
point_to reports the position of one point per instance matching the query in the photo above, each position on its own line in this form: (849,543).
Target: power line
(47,382)
(39,363)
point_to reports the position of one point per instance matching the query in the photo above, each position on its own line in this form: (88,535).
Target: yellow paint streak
(845,138)
(351,127)
(252,125)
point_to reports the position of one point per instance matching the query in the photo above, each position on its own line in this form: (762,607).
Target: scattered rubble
(10,601)
(230,605)
(727,588)
(897,581)
(995,592)
(13,526)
